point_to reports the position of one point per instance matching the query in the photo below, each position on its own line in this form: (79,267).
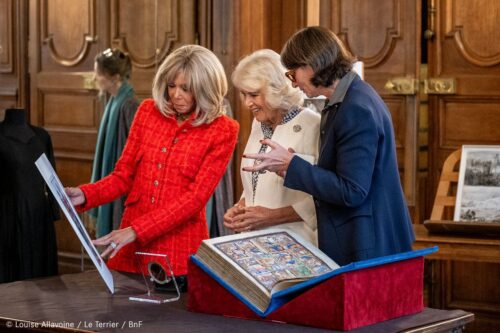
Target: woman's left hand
(254,217)
(115,240)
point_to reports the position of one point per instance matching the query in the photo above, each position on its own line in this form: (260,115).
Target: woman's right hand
(231,213)
(76,195)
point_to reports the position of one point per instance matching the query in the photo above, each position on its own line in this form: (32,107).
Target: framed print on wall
(478,192)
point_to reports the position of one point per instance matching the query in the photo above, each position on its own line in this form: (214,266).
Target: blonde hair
(205,77)
(262,71)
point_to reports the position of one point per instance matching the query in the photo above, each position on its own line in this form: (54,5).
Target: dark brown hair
(321,49)
(114,61)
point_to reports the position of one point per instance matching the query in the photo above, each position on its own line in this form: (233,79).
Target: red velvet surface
(344,302)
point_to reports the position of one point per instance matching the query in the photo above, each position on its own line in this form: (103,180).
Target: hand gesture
(76,195)
(277,160)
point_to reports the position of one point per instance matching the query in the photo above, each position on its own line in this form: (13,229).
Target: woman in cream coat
(277,111)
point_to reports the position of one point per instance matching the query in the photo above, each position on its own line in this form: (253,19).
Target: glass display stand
(159,272)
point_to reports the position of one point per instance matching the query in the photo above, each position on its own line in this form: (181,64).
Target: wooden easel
(446,198)
(448,176)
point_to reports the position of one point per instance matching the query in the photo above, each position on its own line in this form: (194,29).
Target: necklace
(182,117)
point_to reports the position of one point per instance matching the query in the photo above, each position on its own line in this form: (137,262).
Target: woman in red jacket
(177,150)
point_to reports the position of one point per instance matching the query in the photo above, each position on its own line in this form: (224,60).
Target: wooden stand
(444,205)
(444,196)
(464,273)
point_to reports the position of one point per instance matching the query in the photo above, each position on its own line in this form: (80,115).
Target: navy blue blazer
(360,205)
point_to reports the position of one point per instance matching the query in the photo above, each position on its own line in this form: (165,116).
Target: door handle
(439,86)
(402,86)
(88,79)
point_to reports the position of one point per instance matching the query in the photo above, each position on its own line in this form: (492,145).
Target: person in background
(277,111)
(360,204)
(112,70)
(177,151)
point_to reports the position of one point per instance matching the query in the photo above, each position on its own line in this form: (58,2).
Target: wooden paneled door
(13,59)
(256,24)
(64,38)
(385,35)
(464,51)
(464,108)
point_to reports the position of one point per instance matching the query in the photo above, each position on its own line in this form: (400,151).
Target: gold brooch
(297,128)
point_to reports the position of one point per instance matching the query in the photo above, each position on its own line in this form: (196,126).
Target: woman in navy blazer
(359,201)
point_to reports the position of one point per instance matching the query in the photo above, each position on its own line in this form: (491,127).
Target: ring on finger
(113,245)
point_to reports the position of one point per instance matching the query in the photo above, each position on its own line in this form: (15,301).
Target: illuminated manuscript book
(261,263)
(274,275)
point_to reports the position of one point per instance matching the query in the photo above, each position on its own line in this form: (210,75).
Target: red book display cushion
(343,302)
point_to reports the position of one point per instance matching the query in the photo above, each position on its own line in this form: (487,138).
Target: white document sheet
(57,189)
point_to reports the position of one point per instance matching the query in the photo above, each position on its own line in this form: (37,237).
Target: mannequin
(27,235)
(15,116)
(16,124)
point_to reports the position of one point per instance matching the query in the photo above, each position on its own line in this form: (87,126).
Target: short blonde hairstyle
(205,77)
(263,72)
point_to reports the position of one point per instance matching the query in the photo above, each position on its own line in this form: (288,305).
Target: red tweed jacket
(169,173)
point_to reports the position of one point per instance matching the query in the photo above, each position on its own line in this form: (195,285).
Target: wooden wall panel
(69,110)
(468,121)
(6,36)
(397,106)
(128,29)
(61,58)
(466,49)
(64,98)
(386,25)
(259,24)
(465,295)
(385,35)
(477,44)
(462,292)
(8,99)
(13,59)
(67,39)
(74,145)
(149,30)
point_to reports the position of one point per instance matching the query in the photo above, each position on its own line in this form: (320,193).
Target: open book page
(273,258)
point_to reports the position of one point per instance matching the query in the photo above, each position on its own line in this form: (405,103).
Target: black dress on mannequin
(27,211)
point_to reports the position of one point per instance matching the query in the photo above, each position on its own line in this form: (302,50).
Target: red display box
(355,298)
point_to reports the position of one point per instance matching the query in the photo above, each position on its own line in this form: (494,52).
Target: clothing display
(169,172)
(223,197)
(113,131)
(27,211)
(301,134)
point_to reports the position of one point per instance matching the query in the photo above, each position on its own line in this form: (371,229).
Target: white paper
(478,192)
(359,68)
(57,189)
